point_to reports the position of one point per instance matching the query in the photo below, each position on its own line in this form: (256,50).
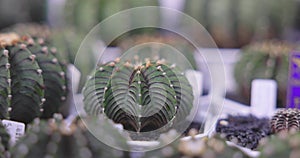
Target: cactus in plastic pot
(195,147)
(143,97)
(33,81)
(55,138)
(264,60)
(283,144)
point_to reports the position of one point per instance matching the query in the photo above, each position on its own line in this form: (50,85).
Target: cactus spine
(143,97)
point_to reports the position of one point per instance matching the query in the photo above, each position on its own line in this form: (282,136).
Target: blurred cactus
(286,120)
(4,141)
(29,68)
(245,131)
(166,40)
(195,148)
(142,97)
(235,23)
(264,60)
(283,144)
(54,138)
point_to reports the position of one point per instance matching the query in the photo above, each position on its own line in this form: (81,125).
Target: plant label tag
(263,97)
(293,92)
(15,129)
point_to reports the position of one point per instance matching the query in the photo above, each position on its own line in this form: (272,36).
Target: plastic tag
(263,97)
(15,129)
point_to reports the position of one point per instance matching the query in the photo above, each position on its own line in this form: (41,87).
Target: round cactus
(54,138)
(31,76)
(265,60)
(141,97)
(286,120)
(201,148)
(283,144)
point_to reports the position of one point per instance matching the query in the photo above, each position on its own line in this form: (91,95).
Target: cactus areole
(143,97)
(32,81)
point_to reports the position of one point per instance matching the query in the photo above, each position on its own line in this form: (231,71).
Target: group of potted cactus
(142,95)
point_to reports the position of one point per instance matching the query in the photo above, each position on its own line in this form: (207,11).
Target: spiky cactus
(264,60)
(32,80)
(286,120)
(4,141)
(54,138)
(283,144)
(195,148)
(142,97)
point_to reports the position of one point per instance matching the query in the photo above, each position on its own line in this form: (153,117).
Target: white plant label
(263,97)
(15,129)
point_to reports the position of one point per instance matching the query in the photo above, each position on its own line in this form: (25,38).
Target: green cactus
(4,141)
(264,60)
(54,75)
(28,69)
(54,138)
(142,97)
(283,144)
(195,148)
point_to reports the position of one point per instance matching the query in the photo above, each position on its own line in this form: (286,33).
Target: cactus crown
(272,48)
(28,68)
(286,120)
(142,97)
(54,138)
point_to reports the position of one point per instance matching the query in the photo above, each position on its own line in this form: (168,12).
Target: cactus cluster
(33,81)
(142,97)
(4,141)
(55,138)
(283,144)
(264,60)
(196,148)
(286,120)
(245,131)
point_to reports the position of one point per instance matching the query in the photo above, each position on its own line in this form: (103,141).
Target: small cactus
(283,144)
(264,60)
(245,131)
(31,76)
(196,148)
(54,138)
(142,98)
(286,120)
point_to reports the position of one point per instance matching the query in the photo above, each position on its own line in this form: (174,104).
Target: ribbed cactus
(286,120)
(214,147)
(30,77)
(142,97)
(264,60)
(4,141)
(54,138)
(281,145)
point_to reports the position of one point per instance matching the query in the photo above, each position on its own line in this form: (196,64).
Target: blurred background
(234,25)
